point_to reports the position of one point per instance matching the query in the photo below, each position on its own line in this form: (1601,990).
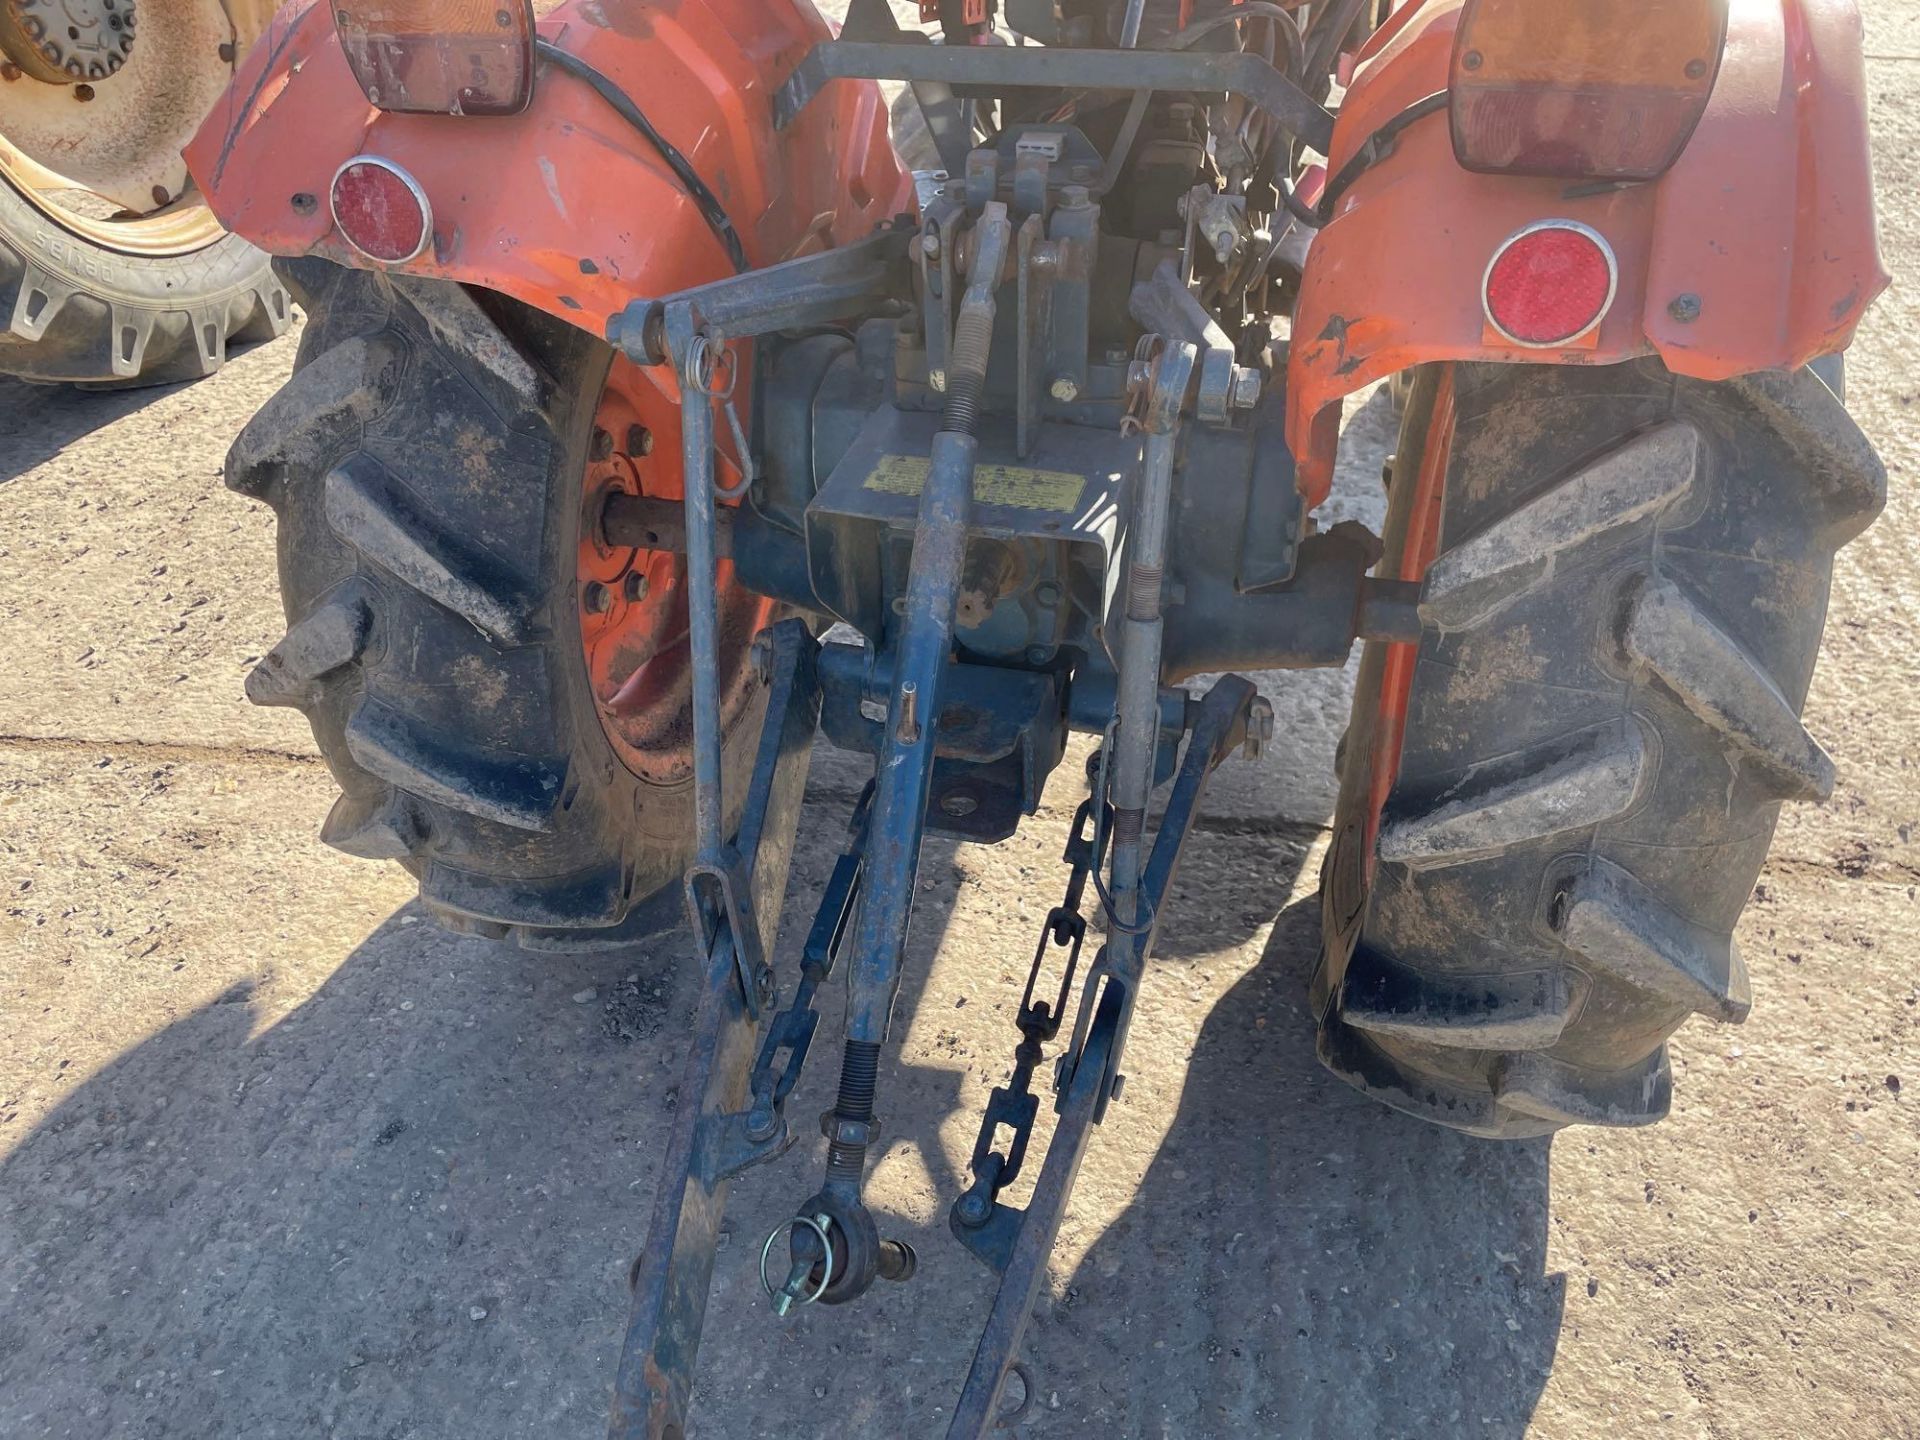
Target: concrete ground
(277,1158)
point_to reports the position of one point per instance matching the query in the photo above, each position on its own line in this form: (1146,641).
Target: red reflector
(381,210)
(1550,284)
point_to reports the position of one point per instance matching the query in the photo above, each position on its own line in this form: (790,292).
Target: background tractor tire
(75,310)
(425,463)
(1621,618)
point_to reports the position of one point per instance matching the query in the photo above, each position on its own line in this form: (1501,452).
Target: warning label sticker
(1015,485)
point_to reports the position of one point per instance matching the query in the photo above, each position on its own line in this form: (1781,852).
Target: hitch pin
(784,1297)
(707,358)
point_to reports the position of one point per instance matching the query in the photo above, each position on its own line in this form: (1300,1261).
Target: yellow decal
(1014,485)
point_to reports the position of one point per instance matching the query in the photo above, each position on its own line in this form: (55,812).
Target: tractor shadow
(1300,1261)
(406,1205)
(37,422)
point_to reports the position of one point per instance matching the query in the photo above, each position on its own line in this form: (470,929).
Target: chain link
(1013,1106)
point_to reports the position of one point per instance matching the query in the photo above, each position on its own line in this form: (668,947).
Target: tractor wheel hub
(65,42)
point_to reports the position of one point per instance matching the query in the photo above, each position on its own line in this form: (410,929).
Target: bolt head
(1064,389)
(634,586)
(973,1207)
(1685,309)
(937,381)
(1244,393)
(596,599)
(762,656)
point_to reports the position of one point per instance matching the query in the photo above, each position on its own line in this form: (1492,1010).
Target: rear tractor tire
(435,464)
(1554,807)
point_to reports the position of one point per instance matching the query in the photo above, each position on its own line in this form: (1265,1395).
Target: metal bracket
(934,254)
(714,891)
(1001,67)
(1034,322)
(835,284)
(1166,307)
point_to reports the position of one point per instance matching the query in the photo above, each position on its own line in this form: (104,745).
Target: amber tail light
(440,57)
(1591,89)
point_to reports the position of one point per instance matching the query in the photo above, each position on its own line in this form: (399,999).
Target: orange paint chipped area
(566,207)
(1766,220)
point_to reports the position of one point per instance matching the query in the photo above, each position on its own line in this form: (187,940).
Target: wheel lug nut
(639,440)
(601,447)
(596,599)
(635,586)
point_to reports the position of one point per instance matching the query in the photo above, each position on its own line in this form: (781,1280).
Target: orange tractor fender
(1756,251)
(565,205)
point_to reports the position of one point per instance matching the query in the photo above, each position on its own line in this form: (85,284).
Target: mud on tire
(425,464)
(1620,626)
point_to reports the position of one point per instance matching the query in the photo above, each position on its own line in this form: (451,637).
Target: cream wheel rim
(99,153)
